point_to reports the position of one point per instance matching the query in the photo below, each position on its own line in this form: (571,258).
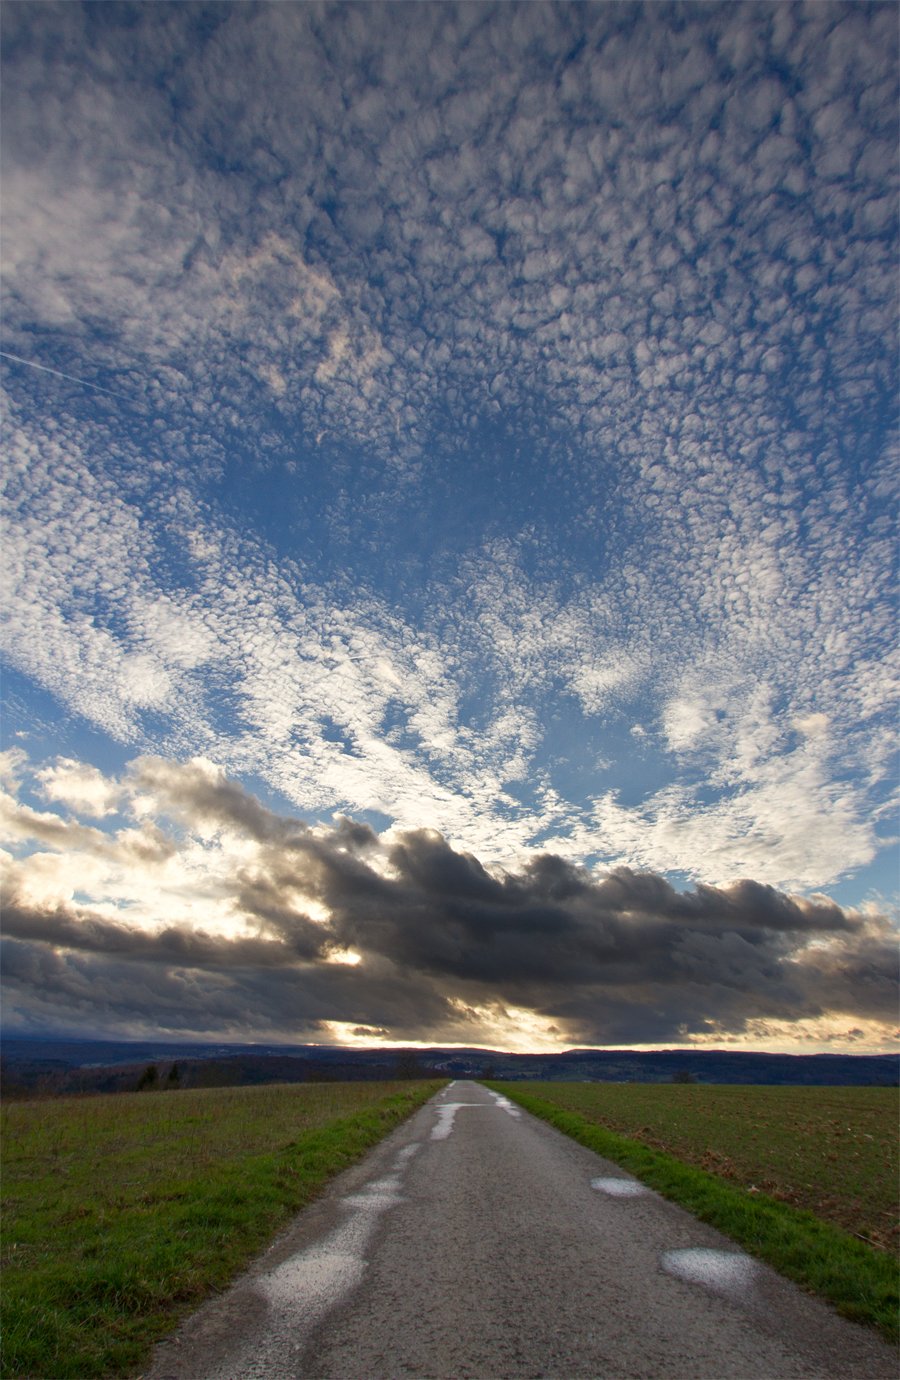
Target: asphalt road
(477,1242)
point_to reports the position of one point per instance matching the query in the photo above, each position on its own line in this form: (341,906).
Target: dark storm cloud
(626,956)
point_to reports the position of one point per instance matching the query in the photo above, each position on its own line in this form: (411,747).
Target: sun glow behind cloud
(214,903)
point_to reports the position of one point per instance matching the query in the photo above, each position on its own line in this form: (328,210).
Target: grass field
(804,1178)
(120,1213)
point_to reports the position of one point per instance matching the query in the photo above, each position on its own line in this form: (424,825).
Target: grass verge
(862,1283)
(124,1212)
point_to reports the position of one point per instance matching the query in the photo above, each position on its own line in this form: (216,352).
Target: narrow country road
(477,1242)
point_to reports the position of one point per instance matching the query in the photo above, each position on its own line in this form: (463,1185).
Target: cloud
(81,786)
(443,947)
(814,725)
(498,381)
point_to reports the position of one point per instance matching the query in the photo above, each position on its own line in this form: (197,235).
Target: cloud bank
(320,932)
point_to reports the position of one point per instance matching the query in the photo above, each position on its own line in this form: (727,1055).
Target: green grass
(121,1213)
(701,1147)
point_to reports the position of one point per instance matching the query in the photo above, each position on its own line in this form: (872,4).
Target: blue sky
(470,419)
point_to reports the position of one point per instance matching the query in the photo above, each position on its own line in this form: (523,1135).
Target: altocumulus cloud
(318,932)
(498,443)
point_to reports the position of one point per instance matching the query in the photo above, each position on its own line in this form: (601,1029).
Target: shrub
(149,1078)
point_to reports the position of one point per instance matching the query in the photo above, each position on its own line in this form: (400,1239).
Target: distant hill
(69,1066)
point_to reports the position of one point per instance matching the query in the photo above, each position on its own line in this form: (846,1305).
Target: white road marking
(446,1113)
(381,1193)
(304,1288)
(312,1280)
(620,1188)
(725,1272)
(505,1103)
(317,1277)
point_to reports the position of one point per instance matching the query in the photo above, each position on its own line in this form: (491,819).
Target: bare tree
(407,1065)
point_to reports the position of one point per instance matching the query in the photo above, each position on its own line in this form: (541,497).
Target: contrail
(71,377)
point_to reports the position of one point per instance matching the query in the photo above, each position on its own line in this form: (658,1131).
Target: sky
(449,537)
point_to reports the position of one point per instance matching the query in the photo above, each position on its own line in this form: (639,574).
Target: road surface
(477,1242)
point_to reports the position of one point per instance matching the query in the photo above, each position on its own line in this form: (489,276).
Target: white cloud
(83,787)
(680,322)
(813,725)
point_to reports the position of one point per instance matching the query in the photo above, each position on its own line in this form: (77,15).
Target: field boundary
(100,1316)
(861,1283)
